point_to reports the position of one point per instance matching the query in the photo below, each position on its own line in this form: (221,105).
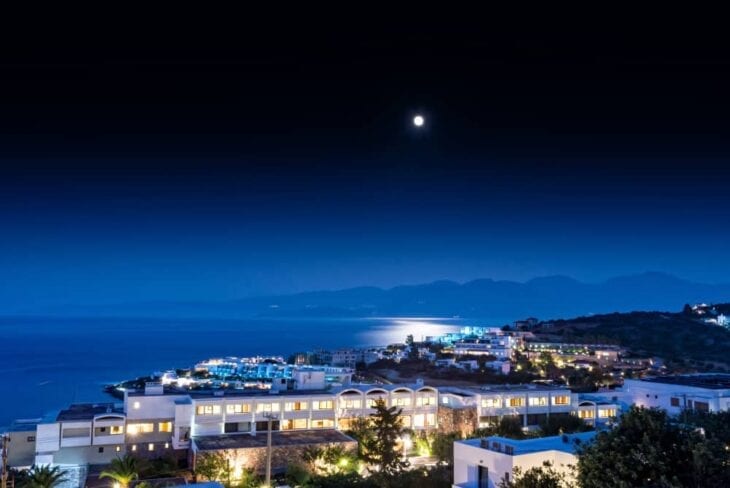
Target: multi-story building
(484,463)
(708,392)
(531,404)
(158,420)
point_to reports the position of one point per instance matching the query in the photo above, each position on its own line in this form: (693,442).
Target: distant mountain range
(547,297)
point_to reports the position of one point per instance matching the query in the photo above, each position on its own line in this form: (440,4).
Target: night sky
(219,160)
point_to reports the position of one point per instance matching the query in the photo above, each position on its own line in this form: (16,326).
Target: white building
(158,421)
(483,463)
(703,392)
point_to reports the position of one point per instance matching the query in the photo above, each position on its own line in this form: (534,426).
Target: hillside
(486,299)
(675,337)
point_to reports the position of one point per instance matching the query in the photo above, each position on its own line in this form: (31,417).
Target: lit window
(430,420)
(491,402)
(167,445)
(323,424)
(517,402)
(116,429)
(350,403)
(419,420)
(561,400)
(208,410)
(134,447)
(425,401)
(165,426)
(295,406)
(322,405)
(586,414)
(136,405)
(237,408)
(405,420)
(118,448)
(538,401)
(401,402)
(294,424)
(267,407)
(150,447)
(606,412)
(370,402)
(145,428)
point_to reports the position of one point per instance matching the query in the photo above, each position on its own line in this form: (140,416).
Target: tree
(544,476)
(123,470)
(443,447)
(647,448)
(563,424)
(213,466)
(381,450)
(43,477)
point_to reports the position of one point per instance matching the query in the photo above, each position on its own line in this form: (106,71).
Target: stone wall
(463,421)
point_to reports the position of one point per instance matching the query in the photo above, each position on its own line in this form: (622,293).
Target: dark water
(48,363)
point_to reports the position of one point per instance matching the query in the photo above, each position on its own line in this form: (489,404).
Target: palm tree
(123,470)
(44,477)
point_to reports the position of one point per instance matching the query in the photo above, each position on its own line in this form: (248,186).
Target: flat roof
(278,439)
(87,411)
(711,381)
(565,443)
(470,390)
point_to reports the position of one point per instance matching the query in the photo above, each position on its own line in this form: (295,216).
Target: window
(322,405)
(101,450)
(348,403)
(238,408)
(295,406)
(136,405)
(586,414)
(164,427)
(102,429)
(491,402)
(419,420)
(405,420)
(702,406)
(208,409)
(561,400)
(538,401)
(118,449)
(150,447)
(293,424)
(510,450)
(517,402)
(606,412)
(145,428)
(116,429)
(674,401)
(267,407)
(425,401)
(30,438)
(430,420)
(401,402)
(323,424)
(134,447)
(370,402)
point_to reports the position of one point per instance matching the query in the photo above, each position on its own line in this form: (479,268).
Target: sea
(48,363)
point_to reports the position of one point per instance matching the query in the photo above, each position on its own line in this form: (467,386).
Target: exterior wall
(660,395)
(21,448)
(281,456)
(524,404)
(463,421)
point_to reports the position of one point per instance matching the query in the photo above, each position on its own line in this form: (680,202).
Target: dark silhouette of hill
(546,297)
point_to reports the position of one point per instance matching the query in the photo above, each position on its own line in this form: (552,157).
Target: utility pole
(5,462)
(270,417)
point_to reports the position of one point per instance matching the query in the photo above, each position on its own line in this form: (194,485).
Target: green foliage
(510,427)
(360,430)
(213,466)
(380,449)
(648,449)
(563,424)
(42,477)
(443,447)
(123,470)
(298,474)
(161,467)
(330,460)
(544,476)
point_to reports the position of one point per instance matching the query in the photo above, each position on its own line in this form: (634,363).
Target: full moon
(418,120)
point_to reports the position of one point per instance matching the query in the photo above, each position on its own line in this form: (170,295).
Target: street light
(270,417)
